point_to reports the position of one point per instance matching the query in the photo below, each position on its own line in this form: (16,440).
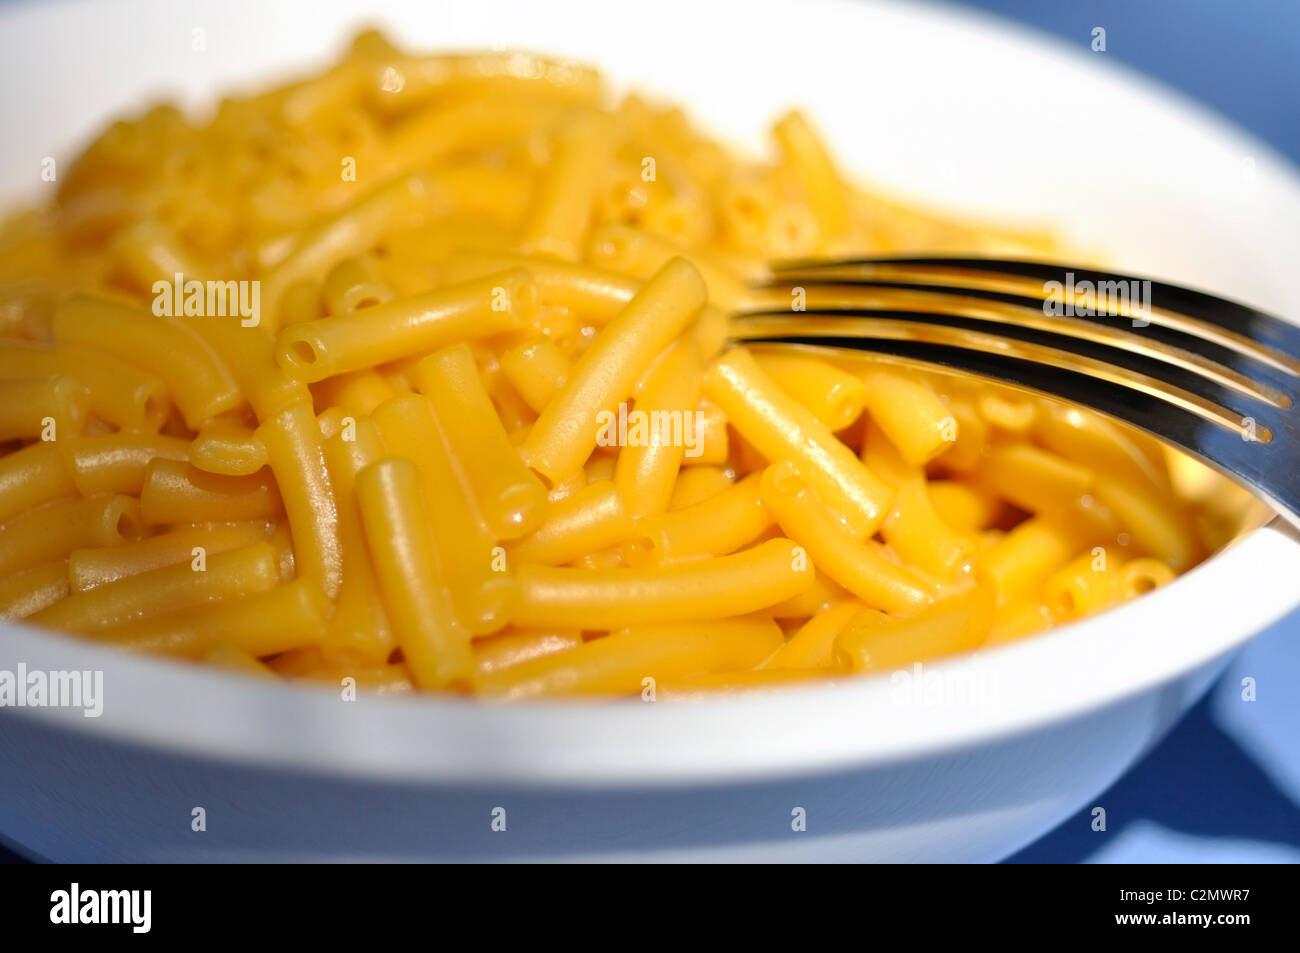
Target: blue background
(1224,786)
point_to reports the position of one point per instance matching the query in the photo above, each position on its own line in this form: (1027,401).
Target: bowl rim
(1066,673)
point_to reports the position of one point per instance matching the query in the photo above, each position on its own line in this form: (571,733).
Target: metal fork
(1215,378)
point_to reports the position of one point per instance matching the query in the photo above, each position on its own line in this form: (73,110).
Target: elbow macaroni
(400,464)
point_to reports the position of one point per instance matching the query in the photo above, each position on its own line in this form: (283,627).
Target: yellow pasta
(279,619)
(714,589)
(117,392)
(600,466)
(820,596)
(696,484)
(359,626)
(341,236)
(509,408)
(36,474)
(147,250)
(1088,438)
(29,591)
(56,529)
(119,462)
(1008,410)
(558,223)
(623,248)
(420,372)
(525,77)
(301,301)
(475,569)
(1143,575)
(956,624)
(88,568)
(966,453)
(314,350)
(509,497)
(435,645)
(591,519)
(813,646)
(714,444)
(803,152)
(566,432)
(962,507)
(780,428)
(1086,584)
(497,652)
(228,448)
(647,468)
(632,660)
(1021,616)
(584,289)
(239,572)
(835,397)
(537,370)
(228,656)
(358,393)
(715,526)
(175,492)
(197,381)
(41,407)
(1156,524)
(611,558)
(433,135)
(1027,554)
(913,529)
(248,352)
(1035,479)
(910,413)
(354,284)
(293,448)
(858,567)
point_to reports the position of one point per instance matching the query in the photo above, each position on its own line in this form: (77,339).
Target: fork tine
(1267,464)
(1005,311)
(1185,379)
(879,329)
(1228,323)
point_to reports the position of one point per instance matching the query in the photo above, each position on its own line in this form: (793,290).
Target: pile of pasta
(390,466)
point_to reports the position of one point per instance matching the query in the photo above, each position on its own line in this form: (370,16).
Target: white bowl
(953,109)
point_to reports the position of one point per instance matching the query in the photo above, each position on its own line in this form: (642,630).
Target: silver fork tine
(1233,321)
(1259,371)
(1179,387)
(1251,433)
